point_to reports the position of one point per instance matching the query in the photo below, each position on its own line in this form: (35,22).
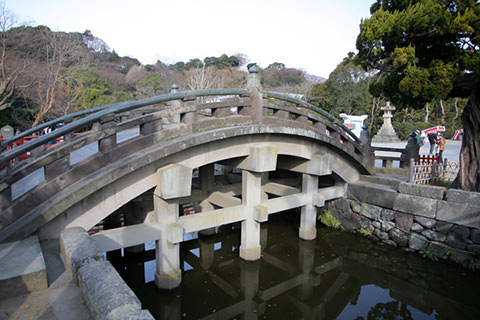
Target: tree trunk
(456,109)
(427,112)
(443,110)
(468,177)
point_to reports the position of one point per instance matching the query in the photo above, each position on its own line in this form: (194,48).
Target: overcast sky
(314,35)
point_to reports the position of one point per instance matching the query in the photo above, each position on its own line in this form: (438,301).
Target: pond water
(337,276)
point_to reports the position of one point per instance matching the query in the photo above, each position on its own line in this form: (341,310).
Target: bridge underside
(240,179)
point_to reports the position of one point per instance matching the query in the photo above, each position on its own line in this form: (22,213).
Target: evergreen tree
(427,50)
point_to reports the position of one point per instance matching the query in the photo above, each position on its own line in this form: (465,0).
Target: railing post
(256,95)
(108,126)
(411,171)
(176,104)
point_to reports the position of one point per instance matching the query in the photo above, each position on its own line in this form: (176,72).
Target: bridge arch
(127,149)
(229,145)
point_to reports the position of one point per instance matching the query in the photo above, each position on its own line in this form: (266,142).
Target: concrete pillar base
(207,232)
(308,234)
(250,254)
(168,281)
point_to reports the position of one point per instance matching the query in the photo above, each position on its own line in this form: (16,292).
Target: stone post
(308,218)
(262,158)
(207,183)
(250,235)
(108,126)
(168,274)
(173,182)
(256,96)
(175,104)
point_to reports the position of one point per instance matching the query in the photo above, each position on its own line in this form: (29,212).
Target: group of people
(437,144)
(436,140)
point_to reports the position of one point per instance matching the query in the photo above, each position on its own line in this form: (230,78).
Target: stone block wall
(106,295)
(433,221)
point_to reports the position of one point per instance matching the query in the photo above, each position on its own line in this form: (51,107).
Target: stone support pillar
(168,274)
(173,182)
(207,177)
(207,253)
(207,184)
(308,218)
(250,235)
(262,158)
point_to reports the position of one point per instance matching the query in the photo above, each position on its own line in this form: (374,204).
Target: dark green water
(336,276)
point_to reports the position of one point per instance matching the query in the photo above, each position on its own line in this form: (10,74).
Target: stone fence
(106,295)
(437,222)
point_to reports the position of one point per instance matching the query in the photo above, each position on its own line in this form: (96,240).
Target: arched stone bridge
(276,153)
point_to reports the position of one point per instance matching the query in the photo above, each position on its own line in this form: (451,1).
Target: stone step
(22,268)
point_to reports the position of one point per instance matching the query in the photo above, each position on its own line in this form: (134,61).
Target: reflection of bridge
(276,153)
(311,279)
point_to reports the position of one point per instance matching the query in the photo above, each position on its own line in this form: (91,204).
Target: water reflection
(337,276)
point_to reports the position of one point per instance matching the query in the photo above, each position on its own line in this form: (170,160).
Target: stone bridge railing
(119,130)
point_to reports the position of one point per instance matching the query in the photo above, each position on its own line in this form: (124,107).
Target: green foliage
(277,76)
(403,129)
(346,90)
(430,254)
(330,221)
(365,232)
(114,57)
(471,262)
(89,90)
(421,48)
(152,85)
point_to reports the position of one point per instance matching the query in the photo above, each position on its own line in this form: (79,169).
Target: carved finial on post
(253,79)
(256,95)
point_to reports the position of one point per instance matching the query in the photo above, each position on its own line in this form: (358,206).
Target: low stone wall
(436,222)
(106,295)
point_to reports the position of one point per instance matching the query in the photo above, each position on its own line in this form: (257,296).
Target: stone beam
(319,164)
(328,193)
(345,170)
(114,239)
(205,220)
(223,200)
(279,189)
(286,203)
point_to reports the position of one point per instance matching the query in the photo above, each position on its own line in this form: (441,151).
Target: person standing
(432,139)
(441,146)
(419,137)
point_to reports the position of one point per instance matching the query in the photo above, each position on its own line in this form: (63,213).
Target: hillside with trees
(46,74)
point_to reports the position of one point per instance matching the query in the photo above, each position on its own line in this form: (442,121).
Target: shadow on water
(337,276)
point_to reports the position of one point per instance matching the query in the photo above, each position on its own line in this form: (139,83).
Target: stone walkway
(61,300)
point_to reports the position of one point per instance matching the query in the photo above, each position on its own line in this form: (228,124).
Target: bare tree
(9,70)
(61,49)
(202,78)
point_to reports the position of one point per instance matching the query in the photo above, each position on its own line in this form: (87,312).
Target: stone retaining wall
(106,295)
(436,222)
